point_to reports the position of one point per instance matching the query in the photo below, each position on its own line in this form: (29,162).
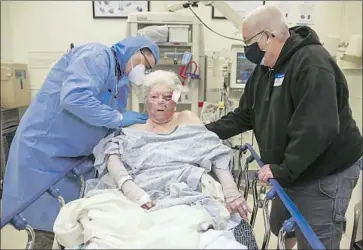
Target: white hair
(163,77)
(267,17)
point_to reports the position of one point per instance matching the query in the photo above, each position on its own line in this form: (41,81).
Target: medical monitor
(241,68)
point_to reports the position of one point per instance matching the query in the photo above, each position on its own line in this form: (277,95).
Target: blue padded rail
(296,216)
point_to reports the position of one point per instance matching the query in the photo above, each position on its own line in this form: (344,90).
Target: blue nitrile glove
(131,117)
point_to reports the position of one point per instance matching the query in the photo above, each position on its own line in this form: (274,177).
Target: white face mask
(137,74)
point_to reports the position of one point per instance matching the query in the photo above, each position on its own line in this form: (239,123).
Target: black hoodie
(299,112)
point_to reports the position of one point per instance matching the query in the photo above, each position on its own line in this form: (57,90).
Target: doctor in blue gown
(82,99)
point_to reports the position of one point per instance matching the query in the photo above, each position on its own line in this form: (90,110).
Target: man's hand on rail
(265,173)
(240,206)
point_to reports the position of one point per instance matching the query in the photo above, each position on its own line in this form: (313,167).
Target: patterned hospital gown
(168,167)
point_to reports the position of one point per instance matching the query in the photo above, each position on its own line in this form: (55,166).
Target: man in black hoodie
(296,102)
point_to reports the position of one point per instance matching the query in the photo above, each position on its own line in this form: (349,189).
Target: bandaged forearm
(229,187)
(124,181)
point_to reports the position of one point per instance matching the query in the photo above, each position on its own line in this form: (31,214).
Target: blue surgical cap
(127,47)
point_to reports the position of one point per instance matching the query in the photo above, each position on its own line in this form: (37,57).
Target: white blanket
(107,219)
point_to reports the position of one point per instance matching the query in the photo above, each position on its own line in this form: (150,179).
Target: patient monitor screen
(243,69)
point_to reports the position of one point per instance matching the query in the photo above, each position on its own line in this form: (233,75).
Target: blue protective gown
(77,105)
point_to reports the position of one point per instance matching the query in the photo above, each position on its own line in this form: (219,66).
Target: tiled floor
(13,239)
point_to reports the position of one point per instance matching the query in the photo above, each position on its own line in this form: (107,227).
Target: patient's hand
(148,205)
(240,206)
(235,201)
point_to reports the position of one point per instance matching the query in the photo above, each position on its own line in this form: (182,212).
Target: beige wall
(50,26)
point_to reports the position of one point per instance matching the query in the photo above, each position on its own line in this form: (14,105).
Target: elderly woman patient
(169,161)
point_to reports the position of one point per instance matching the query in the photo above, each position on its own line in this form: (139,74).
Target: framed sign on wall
(118,9)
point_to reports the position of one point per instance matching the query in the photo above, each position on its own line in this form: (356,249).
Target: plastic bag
(156,33)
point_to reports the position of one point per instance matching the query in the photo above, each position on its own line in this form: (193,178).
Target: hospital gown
(168,167)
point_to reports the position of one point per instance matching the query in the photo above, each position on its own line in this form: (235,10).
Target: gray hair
(267,17)
(167,78)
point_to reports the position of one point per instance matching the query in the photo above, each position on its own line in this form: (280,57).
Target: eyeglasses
(148,66)
(250,41)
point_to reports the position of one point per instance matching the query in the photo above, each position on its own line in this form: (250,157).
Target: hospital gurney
(296,220)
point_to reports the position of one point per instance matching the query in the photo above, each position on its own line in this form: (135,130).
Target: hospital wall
(38,32)
(6,32)
(29,28)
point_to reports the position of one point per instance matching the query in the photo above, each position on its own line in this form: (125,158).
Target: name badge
(279,78)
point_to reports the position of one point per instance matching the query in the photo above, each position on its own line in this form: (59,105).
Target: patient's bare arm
(235,201)
(125,183)
(229,187)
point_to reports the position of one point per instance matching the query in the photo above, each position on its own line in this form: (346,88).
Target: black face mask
(254,54)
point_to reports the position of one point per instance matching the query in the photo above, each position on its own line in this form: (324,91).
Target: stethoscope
(118,74)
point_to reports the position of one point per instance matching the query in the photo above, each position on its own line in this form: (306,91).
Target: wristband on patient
(123,180)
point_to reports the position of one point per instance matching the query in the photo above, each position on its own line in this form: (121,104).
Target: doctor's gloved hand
(131,117)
